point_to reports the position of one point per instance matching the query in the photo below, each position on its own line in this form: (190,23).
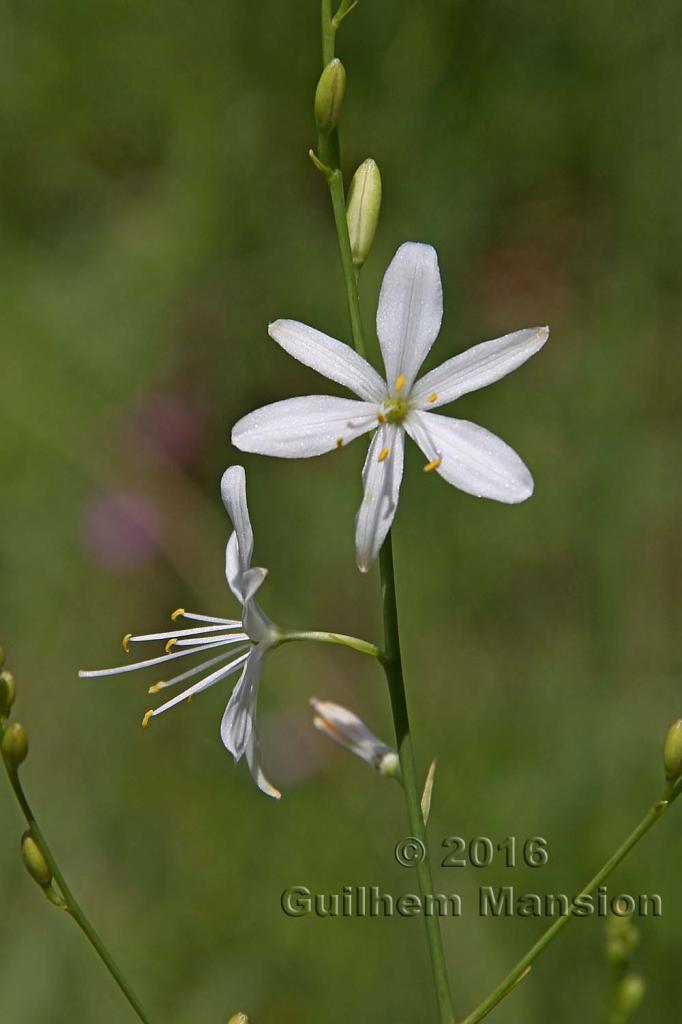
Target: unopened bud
(389,766)
(329,95)
(630,994)
(364,204)
(15,744)
(672,752)
(36,865)
(238,1018)
(8,691)
(621,940)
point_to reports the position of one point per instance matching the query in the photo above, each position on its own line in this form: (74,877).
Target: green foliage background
(157,210)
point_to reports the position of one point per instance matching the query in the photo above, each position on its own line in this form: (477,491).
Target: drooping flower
(227,645)
(409,316)
(349,731)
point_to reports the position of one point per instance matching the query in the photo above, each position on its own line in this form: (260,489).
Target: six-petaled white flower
(228,645)
(409,316)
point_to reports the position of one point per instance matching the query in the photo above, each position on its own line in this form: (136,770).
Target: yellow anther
(124,642)
(156,687)
(339,442)
(381,418)
(433,397)
(430,466)
(189,699)
(147,716)
(170,644)
(383,454)
(400,382)
(177,613)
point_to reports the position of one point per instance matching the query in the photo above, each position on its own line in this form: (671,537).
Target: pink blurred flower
(121,530)
(169,426)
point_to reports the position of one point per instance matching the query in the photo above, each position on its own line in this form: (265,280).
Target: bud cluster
(621,941)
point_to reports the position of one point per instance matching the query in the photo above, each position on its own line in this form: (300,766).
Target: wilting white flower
(346,729)
(408,321)
(228,645)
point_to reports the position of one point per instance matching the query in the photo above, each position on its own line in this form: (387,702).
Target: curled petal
(301,427)
(471,458)
(233,491)
(381,477)
(238,727)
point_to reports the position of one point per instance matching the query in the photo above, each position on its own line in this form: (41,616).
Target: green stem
(323,637)
(396,685)
(523,966)
(72,905)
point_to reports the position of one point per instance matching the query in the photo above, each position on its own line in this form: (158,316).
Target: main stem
(72,905)
(515,975)
(396,685)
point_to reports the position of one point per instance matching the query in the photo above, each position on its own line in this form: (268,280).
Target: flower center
(395,410)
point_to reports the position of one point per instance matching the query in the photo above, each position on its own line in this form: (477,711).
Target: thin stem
(515,975)
(322,637)
(396,685)
(72,905)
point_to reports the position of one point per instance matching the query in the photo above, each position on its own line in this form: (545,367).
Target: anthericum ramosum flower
(227,646)
(349,731)
(409,316)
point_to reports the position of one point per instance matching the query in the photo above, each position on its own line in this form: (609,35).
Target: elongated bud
(672,752)
(621,940)
(238,1018)
(630,994)
(329,95)
(15,744)
(36,865)
(364,205)
(7,693)
(349,731)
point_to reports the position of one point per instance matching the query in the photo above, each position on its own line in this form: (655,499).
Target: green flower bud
(238,1018)
(8,691)
(621,940)
(15,745)
(329,94)
(672,752)
(36,865)
(630,994)
(364,204)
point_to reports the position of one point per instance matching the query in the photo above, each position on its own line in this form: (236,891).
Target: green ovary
(395,410)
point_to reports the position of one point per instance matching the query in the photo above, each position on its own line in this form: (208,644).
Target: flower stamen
(381,418)
(147,716)
(339,442)
(383,454)
(170,644)
(400,383)
(433,464)
(433,397)
(177,614)
(125,641)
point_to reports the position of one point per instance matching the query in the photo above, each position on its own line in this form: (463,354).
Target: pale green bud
(672,752)
(238,1018)
(621,940)
(15,745)
(329,95)
(7,693)
(36,865)
(630,994)
(389,766)
(364,204)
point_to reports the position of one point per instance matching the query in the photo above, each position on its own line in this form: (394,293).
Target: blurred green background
(157,210)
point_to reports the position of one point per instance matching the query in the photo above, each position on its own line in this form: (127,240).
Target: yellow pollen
(400,382)
(189,699)
(147,716)
(381,418)
(156,687)
(177,613)
(170,644)
(383,454)
(433,397)
(430,466)
(339,442)
(124,642)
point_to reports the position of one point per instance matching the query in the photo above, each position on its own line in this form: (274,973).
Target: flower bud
(15,745)
(672,752)
(329,95)
(621,940)
(346,729)
(630,994)
(238,1018)
(36,865)
(364,204)
(7,693)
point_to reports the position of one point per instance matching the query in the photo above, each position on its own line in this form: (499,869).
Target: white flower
(408,321)
(228,644)
(349,731)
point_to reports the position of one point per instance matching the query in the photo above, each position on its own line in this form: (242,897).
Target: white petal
(300,427)
(477,367)
(381,483)
(238,727)
(329,357)
(253,761)
(346,729)
(233,491)
(473,459)
(410,311)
